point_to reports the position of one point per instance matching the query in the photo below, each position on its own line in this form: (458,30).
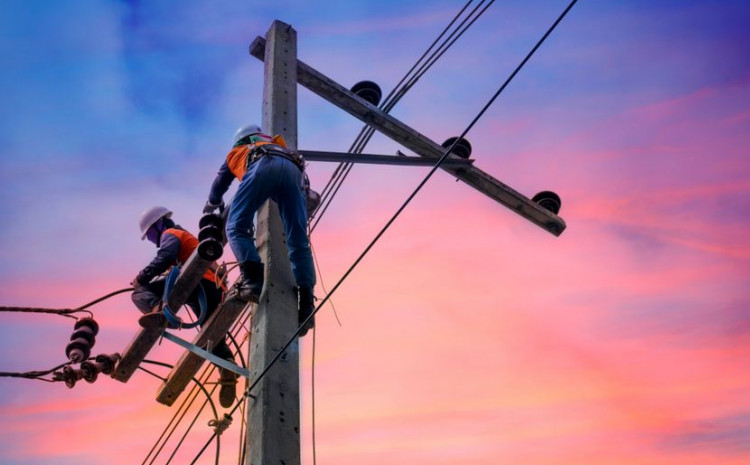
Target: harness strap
(276,150)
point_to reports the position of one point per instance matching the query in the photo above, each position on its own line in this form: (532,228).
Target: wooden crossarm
(420,144)
(213,331)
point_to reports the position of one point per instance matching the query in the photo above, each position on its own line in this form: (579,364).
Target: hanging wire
(67,312)
(432,171)
(341,166)
(397,93)
(355,146)
(193,394)
(38,375)
(205,391)
(312,394)
(322,284)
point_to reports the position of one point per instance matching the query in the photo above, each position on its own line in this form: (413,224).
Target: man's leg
(293,210)
(227,379)
(252,192)
(148,298)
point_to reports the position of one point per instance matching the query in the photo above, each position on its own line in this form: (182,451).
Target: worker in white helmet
(266,169)
(175,245)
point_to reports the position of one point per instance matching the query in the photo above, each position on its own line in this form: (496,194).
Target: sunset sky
(468,335)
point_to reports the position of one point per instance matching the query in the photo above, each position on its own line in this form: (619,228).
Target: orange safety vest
(188,244)
(237,157)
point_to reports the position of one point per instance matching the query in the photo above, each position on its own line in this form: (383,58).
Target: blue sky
(622,341)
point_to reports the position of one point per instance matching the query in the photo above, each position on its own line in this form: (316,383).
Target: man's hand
(210,208)
(135,284)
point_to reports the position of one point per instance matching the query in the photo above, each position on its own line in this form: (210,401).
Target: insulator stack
(82,340)
(108,362)
(548,200)
(71,375)
(211,236)
(462,148)
(368,91)
(90,370)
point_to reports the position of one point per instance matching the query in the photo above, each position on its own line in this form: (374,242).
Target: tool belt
(277,151)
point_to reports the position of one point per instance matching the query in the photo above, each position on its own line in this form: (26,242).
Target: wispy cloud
(728,435)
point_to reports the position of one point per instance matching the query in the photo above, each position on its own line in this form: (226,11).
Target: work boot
(306,306)
(228,390)
(252,281)
(155,318)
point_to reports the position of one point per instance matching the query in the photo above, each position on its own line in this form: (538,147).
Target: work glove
(210,208)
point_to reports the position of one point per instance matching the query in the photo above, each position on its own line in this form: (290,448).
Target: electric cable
(339,167)
(67,312)
(395,216)
(367,131)
(312,394)
(193,394)
(205,391)
(432,171)
(34,374)
(210,369)
(322,284)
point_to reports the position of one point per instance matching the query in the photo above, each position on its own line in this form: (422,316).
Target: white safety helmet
(151,216)
(245,131)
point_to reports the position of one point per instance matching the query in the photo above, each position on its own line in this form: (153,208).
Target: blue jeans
(276,178)
(147,297)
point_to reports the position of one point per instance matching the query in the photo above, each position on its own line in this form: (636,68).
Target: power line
(366,133)
(192,396)
(392,219)
(34,374)
(340,166)
(67,312)
(205,391)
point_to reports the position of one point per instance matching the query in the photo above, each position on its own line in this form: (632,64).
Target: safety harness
(275,150)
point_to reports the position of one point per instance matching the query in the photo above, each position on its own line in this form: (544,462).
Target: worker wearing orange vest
(266,170)
(175,245)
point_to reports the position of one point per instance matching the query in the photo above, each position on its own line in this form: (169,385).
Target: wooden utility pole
(273,408)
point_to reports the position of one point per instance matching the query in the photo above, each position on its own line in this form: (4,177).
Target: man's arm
(219,187)
(166,256)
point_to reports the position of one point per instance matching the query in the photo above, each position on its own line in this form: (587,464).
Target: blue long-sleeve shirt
(166,256)
(220,185)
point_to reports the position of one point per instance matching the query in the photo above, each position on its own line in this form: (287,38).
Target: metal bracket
(400,160)
(208,355)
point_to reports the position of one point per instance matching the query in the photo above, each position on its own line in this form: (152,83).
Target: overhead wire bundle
(412,76)
(422,65)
